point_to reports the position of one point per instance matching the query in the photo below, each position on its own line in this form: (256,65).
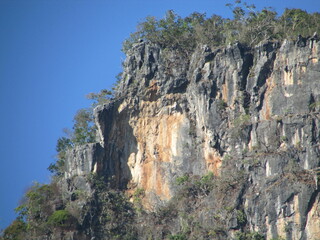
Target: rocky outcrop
(255,109)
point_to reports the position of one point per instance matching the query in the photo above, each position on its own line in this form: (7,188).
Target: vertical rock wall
(176,115)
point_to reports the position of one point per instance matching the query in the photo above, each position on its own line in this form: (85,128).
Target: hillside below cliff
(220,143)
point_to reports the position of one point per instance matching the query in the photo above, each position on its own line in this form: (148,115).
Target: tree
(84,129)
(16,231)
(37,206)
(296,22)
(250,26)
(63,144)
(100,98)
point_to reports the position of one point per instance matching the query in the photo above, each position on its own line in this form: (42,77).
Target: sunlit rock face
(257,108)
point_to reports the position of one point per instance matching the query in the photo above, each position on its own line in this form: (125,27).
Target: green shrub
(182,180)
(283,139)
(138,194)
(59,218)
(241,218)
(221,104)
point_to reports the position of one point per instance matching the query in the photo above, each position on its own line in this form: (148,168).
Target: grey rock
(256,110)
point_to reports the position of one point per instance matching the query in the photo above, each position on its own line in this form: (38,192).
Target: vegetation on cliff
(248,26)
(55,209)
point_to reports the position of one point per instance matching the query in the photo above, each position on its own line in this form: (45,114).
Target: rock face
(255,109)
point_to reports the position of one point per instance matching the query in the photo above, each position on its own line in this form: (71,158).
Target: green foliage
(97,182)
(207,192)
(138,194)
(16,231)
(297,21)
(208,31)
(116,215)
(100,98)
(79,194)
(241,218)
(37,206)
(43,211)
(239,124)
(63,144)
(196,186)
(283,139)
(37,199)
(249,236)
(57,168)
(205,184)
(206,179)
(171,32)
(59,218)
(221,104)
(242,121)
(22,212)
(115,86)
(83,129)
(314,105)
(249,26)
(166,213)
(182,180)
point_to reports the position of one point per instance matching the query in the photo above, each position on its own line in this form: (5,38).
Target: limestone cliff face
(254,109)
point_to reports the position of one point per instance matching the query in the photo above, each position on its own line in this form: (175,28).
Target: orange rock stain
(213,161)
(266,111)
(157,135)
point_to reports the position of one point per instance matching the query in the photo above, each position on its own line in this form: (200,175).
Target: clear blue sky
(53,53)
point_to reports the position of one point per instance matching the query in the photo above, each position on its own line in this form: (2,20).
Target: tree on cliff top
(248,26)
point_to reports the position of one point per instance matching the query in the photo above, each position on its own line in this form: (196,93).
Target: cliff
(248,115)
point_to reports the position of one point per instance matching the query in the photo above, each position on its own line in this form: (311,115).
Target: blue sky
(53,53)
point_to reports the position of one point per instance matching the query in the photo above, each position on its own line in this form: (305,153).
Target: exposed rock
(176,115)
(84,159)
